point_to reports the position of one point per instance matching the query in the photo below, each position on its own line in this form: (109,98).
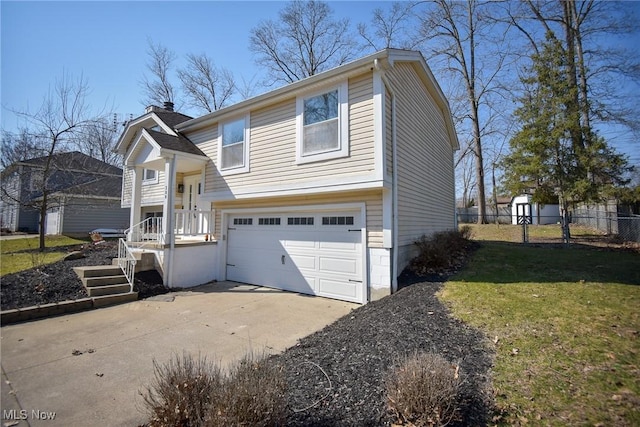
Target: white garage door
(306,252)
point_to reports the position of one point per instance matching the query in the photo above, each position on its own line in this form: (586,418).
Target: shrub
(188,391)
(254,395)
(182,391)
(424,390)
(441,251)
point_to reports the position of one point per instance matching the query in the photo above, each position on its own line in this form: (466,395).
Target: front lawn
(23,254)
(565,326)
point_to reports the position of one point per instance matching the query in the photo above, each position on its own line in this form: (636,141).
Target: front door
(191,203)
(191,196)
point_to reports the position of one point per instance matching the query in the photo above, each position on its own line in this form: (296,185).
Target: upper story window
(233,146)
(323,125)
(36,180)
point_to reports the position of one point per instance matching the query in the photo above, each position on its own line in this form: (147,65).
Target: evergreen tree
(545,159)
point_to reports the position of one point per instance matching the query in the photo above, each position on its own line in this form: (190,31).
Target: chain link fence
(624,226)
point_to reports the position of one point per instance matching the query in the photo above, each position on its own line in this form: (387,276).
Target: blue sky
(106,43)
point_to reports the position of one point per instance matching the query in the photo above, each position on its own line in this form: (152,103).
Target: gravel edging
(356,353)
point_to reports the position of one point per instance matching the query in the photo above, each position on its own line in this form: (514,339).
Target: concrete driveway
(88,368)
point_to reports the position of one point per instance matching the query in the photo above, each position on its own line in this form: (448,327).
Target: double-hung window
(234,146)
(322,121)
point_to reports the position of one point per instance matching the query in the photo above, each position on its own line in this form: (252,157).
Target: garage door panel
(291,243)
(319,259)
(338,289)
(338,265)
(303,261)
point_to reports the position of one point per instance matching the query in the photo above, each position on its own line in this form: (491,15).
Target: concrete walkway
(88,368)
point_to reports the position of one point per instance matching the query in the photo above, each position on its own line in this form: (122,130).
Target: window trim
(246,144)
(148,181)
(343,125)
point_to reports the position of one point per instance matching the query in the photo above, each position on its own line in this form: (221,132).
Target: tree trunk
(482,203)
(564,221)
(43,218)
(573,106)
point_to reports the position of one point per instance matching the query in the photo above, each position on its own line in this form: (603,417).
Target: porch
(190,226)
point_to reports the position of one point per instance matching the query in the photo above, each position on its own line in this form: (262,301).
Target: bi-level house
(320,187)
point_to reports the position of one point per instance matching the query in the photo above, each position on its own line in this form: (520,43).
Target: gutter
(339,73)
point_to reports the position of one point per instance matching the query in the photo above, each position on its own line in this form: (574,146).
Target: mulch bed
(58,282)
(358,351)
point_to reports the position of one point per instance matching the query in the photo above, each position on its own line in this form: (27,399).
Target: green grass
(565,326)
(22,254)
(513,233)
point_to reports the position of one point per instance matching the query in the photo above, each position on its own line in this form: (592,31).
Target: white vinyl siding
(273,146)
(207,140)
(152,193)
(426,189)
(388,118)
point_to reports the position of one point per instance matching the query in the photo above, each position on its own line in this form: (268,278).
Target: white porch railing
(126,261)
(187,223)
(147,231)
(193,223)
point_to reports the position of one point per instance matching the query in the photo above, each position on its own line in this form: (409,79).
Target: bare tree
(19,146)
(305,41)
(158,88)
(394,27)
(55,126)
(457,34)
(248,88)
(206,86)
(98,140)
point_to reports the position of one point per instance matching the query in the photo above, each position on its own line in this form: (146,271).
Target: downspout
(394,181)
(169,213)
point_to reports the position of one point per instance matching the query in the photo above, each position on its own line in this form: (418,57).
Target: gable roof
(109,187)
(75,173)
(74,161)
(175,143)
(375,61)
(156,116)
(172,118)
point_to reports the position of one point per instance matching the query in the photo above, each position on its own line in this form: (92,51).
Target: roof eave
(343,71)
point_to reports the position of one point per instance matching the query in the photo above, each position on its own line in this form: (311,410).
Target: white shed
(537,213)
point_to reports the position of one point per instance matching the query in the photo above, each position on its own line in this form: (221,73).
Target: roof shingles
(175,143)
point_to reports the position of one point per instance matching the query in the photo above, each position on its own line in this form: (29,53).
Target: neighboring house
(319,187)
(83,194)
(535,213)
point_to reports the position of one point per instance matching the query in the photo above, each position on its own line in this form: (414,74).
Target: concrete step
(144,261)
(103,301)
(98,291)
(91,282)
(97,271)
